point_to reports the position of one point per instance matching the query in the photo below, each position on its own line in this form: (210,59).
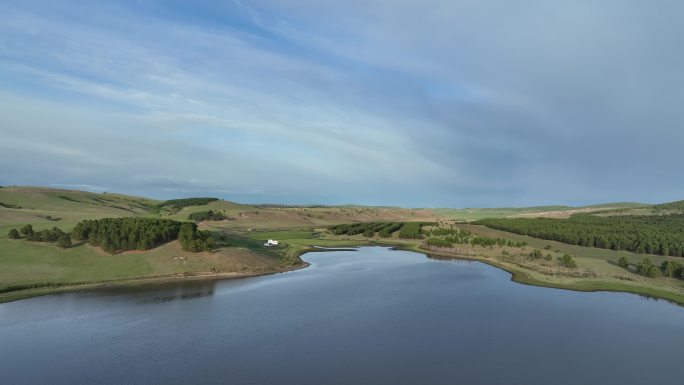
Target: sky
(459,103)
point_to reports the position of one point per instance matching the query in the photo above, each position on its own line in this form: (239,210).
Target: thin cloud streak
(433,103)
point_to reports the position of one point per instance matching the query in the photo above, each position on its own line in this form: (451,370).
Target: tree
(27,229)
(64,241)
(623,262)
(14,234)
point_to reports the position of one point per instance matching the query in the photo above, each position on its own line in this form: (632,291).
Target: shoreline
(518,275)
(48,289)
(523,277)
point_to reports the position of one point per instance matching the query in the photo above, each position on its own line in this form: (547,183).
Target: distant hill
(674,206)
(556,211)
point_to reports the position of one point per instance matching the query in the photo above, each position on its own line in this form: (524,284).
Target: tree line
(652,234)
(407,230)
(53,235)
(672,269)
(473,241)
(209,215)
(368,229)
(178,204)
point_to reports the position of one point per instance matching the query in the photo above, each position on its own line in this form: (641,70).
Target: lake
(372,316)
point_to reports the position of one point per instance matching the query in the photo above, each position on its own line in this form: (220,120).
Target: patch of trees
(192,239)
(411,230)
(671,269)
(53,235)
(567,261)
(121,234)
(652,234)
(451,231)
(177,204)
(407,230)
(465,237)
(9,205)
(438,242)
(368,229)
(210,215)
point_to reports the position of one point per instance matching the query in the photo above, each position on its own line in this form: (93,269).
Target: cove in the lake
(372,316)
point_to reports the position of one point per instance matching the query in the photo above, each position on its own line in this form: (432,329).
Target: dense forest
(210,215)
(653,234)
(121,234)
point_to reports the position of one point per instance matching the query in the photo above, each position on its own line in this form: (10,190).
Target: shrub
(647,268)
(64,241)
(623,262)
(27,229)
(567,261)
(14,234)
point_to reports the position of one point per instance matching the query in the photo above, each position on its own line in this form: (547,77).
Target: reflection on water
(370,316)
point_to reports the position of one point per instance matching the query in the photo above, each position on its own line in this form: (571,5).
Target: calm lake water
(374,316)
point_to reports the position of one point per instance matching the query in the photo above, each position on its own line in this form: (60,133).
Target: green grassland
(32,268)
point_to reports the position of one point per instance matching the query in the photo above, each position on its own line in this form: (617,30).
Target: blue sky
(415,103)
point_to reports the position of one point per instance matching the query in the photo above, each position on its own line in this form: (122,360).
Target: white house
(271,242)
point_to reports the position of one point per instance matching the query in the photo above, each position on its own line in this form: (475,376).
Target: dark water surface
(373,316)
